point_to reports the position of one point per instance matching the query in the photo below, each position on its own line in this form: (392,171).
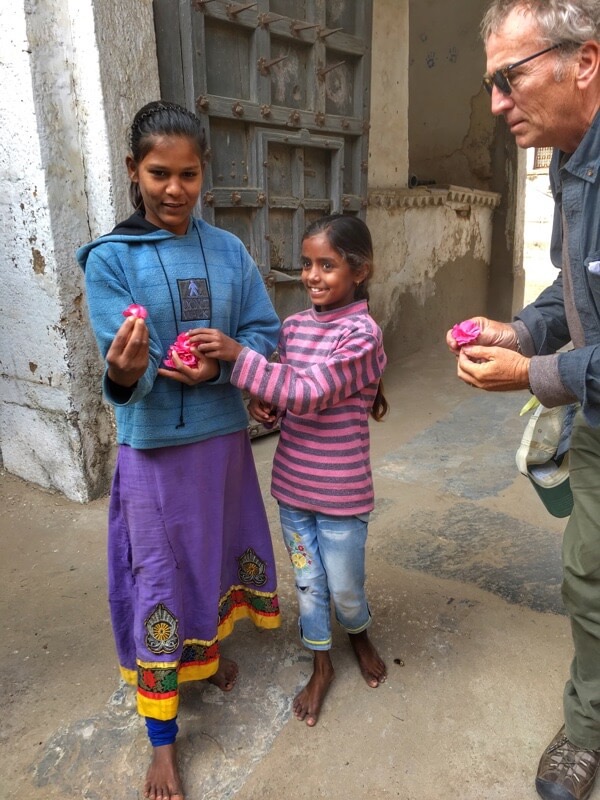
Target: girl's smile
(170,179)
(326,274)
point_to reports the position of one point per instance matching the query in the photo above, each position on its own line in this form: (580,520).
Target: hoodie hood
(135,227)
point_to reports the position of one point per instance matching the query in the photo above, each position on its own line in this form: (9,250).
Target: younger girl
(324,388)
(189,545)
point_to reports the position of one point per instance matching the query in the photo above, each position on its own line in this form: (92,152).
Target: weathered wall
(454,138)
(450,125)
(388,136)
(432,246)
(129,77)
(56,168)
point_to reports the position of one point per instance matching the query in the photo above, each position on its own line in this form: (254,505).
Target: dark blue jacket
(561,378)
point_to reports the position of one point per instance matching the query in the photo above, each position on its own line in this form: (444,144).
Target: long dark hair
(350,237)
(161,118)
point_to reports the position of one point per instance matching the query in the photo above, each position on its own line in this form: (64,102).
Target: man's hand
(214,343)
(493,334)
(128,355)
(494,369)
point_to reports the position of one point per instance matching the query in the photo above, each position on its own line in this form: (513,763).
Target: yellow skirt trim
(165,706)
(243,612)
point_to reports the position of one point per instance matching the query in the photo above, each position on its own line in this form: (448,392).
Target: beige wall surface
(388,142)
(432,244)
(450,123)
(432,258)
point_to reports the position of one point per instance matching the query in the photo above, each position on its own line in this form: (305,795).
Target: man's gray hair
(567,22)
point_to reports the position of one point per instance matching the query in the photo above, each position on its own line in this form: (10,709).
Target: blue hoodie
(205,278)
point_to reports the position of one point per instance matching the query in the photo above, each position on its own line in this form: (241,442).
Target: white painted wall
(59,113)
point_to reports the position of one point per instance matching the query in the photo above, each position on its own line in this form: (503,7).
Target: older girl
(189,546)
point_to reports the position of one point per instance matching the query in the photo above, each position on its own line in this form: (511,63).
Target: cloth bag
(543,456)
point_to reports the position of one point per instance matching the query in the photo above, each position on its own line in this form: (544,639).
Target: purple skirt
(189,553)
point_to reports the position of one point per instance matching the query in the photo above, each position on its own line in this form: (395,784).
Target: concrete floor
(464,585)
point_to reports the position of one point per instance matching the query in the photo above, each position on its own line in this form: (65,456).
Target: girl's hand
(206,370)
(214,343)
(261,411)
(495,369)
(128,354)
(493,334)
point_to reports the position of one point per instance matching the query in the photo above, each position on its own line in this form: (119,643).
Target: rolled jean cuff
(358,629)
(324,644)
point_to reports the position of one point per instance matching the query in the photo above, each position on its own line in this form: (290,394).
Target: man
(543,76)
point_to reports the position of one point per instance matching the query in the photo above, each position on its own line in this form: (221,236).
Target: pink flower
(465,332)
(183,348)
(135,310)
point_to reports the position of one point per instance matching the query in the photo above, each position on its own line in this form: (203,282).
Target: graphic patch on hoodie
(194,298)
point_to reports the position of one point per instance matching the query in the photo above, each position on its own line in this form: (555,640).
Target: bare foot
(226,675)
(162,779)
(372,666)
(307,703)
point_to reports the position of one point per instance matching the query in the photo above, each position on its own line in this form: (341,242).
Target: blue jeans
(328,556)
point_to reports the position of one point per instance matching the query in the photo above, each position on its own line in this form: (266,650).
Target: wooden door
(283,86)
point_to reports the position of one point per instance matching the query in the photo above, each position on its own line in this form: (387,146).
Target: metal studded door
(283,86)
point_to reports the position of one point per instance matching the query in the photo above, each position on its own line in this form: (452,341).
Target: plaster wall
(432,257)
(129,77)
(450,125)
(388,136)
(56,172)
(432,245)
(454,138)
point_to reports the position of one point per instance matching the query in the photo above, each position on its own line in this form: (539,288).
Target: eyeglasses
(499,78)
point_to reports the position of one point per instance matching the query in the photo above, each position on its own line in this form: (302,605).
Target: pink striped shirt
(324,387)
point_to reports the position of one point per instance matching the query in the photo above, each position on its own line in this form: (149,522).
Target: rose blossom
(465,332)
(182,347)
(135,310)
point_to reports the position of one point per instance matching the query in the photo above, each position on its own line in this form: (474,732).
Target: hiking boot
(566,772)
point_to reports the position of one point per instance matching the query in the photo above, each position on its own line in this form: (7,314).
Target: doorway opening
(539,211)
